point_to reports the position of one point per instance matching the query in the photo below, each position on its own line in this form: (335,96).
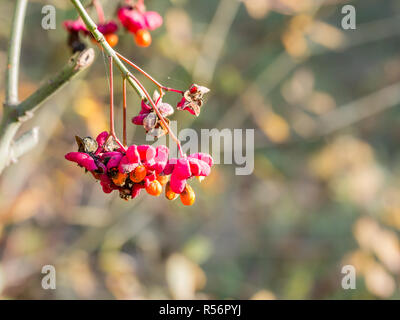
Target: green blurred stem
(9,129)
(77,63)
(14,52)
(92,27)
(24,143)
(13,117)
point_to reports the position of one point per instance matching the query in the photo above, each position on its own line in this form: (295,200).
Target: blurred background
(325,191)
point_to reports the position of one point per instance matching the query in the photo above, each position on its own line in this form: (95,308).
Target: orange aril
(188,196)
(169,194)
(154,188)
(119,178)
(143,38)
(112,39)
(163,179)
(138,174)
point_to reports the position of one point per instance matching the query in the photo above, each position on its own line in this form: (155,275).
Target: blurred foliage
(324,193)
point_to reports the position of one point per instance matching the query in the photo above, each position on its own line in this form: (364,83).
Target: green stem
(15,116)
(76,64)
(92,27)
(9,129)
(14,52)
(24,143)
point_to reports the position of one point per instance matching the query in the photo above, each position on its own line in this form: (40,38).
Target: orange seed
(163,179)
(112,39)
(169,194)
(154,188)
(119,178)
(143,38)
(188,196)
(138,174)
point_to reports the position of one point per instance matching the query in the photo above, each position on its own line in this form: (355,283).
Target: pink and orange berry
(138,167)
(134,18)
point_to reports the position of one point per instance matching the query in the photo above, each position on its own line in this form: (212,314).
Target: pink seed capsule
(193,89)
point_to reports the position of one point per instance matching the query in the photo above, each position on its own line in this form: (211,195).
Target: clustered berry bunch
(129,169)
(139,167)
(132,16)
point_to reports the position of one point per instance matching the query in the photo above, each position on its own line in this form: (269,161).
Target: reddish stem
(173,90)
(112,127)
(147,75)
(124,110)
(164,123)
(160,97)
(99,10)
(154,105)
(140,5)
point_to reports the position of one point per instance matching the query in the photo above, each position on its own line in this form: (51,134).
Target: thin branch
(78,62)
(8,130)
(24,144)
(14,117)
(14,52)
